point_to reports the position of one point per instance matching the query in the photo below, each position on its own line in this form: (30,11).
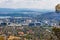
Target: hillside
(49,16)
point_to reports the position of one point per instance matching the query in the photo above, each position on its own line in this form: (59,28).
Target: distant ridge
(49,16)
(22,10)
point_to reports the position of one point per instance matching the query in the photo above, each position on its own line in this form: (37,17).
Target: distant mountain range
(21,12)
(38,13)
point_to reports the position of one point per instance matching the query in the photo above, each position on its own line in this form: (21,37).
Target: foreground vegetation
(32,33)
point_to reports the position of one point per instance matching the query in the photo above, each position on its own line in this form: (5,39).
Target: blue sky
(37,4)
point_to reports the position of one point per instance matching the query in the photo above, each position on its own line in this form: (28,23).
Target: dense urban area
(25,28)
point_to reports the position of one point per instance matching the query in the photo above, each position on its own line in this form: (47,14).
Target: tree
(56,32)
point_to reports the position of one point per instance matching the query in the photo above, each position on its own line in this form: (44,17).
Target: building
(31,24)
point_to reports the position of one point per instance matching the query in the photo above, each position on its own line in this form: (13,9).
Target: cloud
(38,4)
